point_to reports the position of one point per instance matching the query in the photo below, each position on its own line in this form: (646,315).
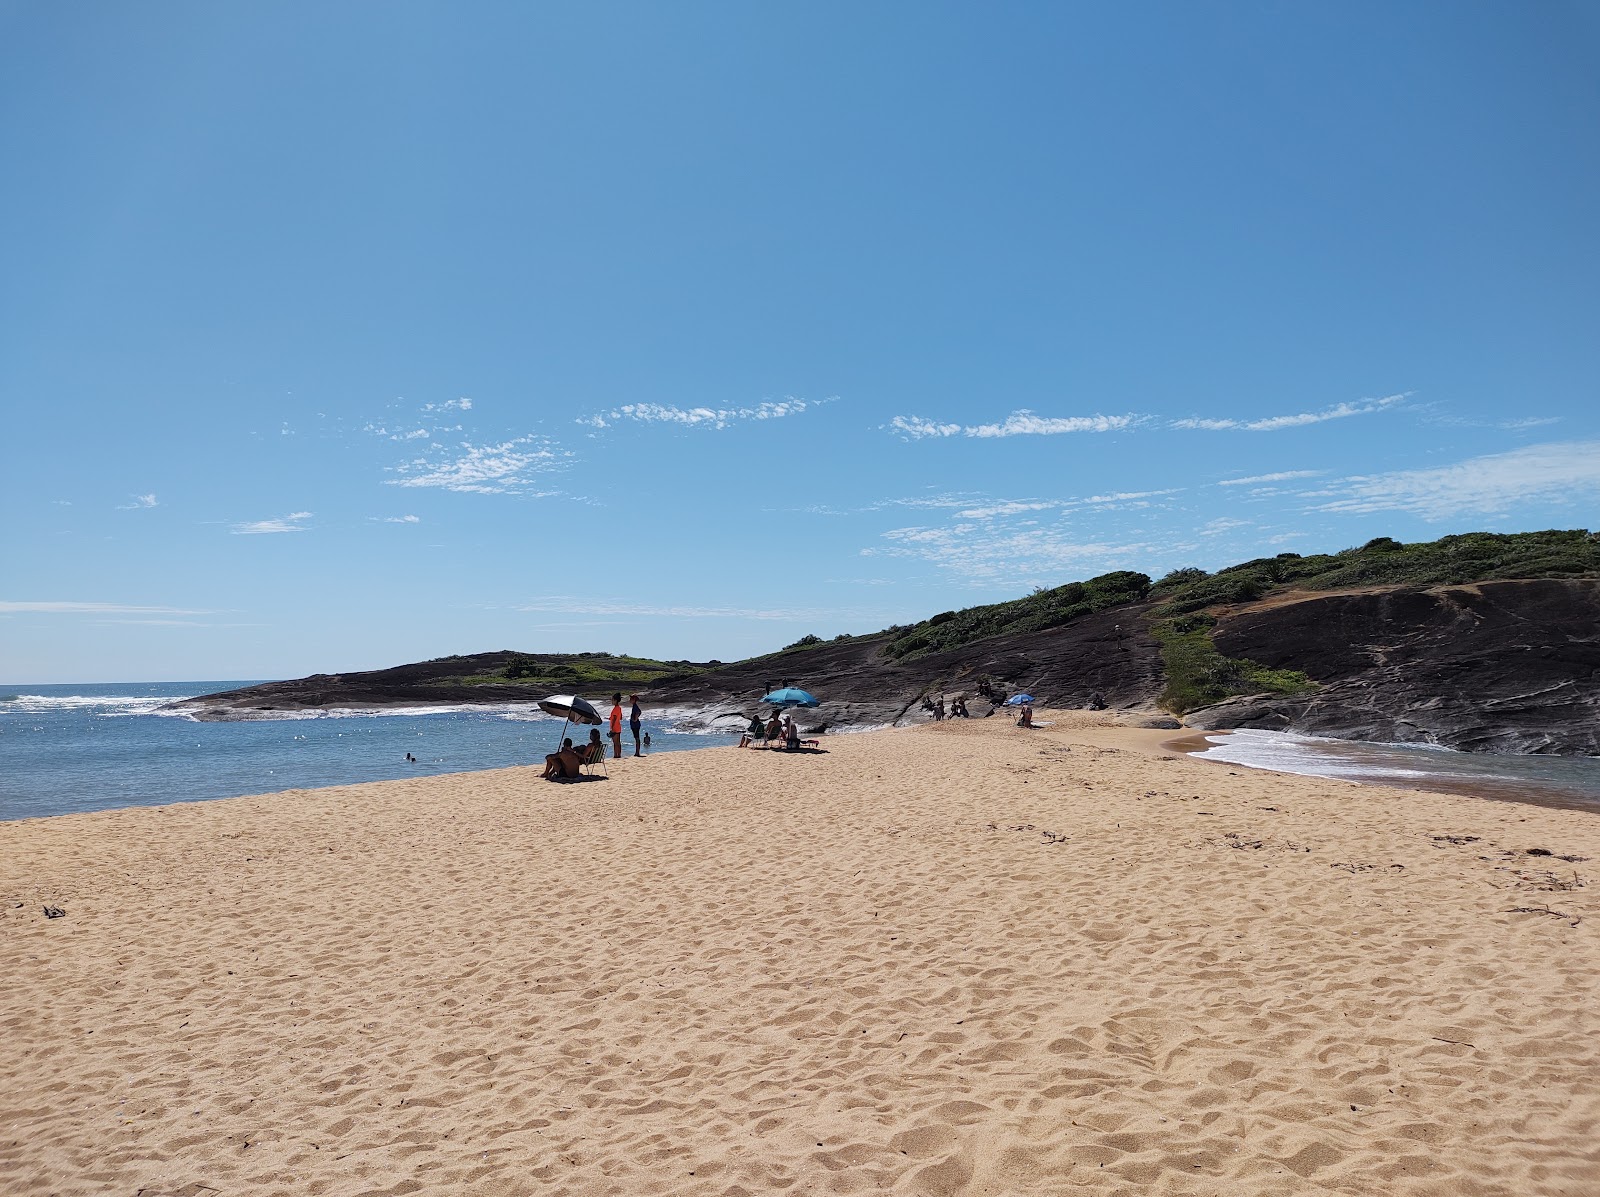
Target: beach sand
(962,958)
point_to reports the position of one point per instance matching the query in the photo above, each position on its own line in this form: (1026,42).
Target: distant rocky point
(1439,643)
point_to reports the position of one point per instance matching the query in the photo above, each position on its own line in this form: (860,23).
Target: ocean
(74,748)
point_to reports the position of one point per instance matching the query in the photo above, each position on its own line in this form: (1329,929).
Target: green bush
(1198,675)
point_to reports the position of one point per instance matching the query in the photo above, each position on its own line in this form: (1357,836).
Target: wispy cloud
(1338,411)
(926,502)
(1008,507)
(984,552)
(1556,474)
(1529,422)
(700,417)
(581,606)
(1280,476)
(294,522)
(409,434)
(1131,497)
(397,519)
(462,404)
(140,502)
(1019,423)
(1217,527)
(157,623)
(67,608)
(505,469)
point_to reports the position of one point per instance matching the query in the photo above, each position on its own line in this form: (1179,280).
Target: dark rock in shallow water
(1508,667)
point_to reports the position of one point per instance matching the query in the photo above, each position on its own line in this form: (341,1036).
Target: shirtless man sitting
(565,763)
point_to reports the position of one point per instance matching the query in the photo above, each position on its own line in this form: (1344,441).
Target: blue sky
(337,336)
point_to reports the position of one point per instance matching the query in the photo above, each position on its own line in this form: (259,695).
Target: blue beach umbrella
(789,697)
(1017,700)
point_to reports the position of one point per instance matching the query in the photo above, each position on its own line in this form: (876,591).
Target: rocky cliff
(1510,666)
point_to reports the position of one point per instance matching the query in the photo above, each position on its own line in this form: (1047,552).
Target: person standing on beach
(635,722)
(616,727)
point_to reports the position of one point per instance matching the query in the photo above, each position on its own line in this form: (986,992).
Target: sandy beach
(962,958)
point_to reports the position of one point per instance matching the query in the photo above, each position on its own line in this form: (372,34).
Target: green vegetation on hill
(1198,675)
(1451,560)
(1037,611)
(582,673)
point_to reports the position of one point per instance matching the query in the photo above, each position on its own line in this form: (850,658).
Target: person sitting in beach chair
(755,734)
(594,753)
(774,730)
(563,764)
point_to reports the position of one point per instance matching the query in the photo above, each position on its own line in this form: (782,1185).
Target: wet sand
(963,958)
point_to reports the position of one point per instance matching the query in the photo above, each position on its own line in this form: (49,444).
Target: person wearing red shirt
(616,726)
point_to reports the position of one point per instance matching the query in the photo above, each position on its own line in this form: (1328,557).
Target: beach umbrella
(1017,700)
(789,697)
(571,708)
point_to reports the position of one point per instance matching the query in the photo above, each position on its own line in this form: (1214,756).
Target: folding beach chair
(594,754)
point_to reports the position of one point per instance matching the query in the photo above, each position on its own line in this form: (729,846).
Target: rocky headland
(1483,642)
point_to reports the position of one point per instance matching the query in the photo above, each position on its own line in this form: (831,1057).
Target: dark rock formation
(858,685)
(1109,652)
(422,684)
(1506,666)
(1493,667)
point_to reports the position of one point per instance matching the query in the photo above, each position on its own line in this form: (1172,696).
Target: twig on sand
(1457,1042)
(1574,919)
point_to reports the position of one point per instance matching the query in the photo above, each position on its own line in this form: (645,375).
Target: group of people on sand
(776,730)
(958,708)
(567,761)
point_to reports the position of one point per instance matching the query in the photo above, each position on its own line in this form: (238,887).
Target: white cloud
(397,519)
(1019,423)
(506,468)
(140,502)
(1130,496)
(988,553)
(1025,423)
(700,417)
(1530,422)
(1338,411)
(1009,507)
(54,608)
(1281,476)
(294,522)
(915,427)
(1218,526)
(462,404)
(1554,474)
(926,501)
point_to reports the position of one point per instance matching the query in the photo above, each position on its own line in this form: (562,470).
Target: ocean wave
(518,712)
(100,704)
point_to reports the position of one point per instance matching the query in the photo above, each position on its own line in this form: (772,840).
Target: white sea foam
(1360,761)
(519,712)
(99,704)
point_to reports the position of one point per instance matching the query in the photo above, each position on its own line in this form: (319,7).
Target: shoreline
(1488,789)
